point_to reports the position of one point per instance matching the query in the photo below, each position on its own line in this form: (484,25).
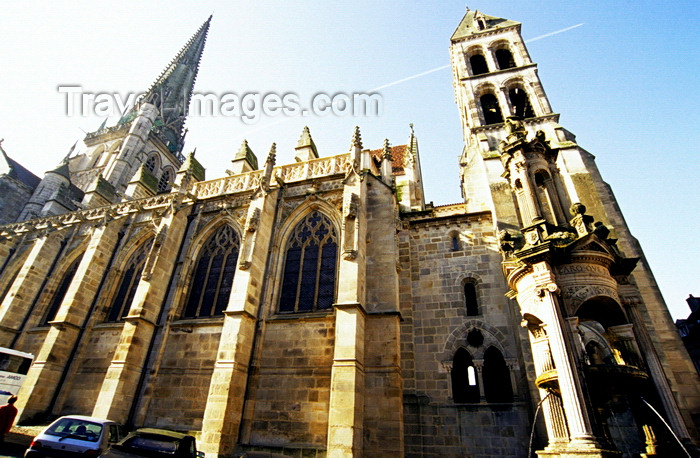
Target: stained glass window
(213,275)
(128,283)
(308,283)
(61,291)
(164,184)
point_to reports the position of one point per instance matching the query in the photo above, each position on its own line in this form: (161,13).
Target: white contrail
(448,66)
(553,33)
(409,78)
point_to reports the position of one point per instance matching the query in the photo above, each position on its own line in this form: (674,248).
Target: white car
(74,435)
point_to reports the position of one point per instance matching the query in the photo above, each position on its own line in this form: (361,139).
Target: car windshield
(74,428)
(152,443)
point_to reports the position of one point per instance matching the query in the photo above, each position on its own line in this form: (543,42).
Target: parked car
(74,435)
(155,443)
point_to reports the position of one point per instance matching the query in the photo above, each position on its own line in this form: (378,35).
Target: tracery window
(61,291)
(308,282)
(151,163)
(127,284)
(213,275)
(164,184)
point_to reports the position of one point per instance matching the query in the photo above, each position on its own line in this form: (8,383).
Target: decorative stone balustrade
(300,171)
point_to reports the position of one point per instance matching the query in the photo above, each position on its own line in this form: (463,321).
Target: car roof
(162,432)
(86,418)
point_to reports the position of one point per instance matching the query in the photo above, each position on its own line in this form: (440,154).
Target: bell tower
(494,79)
(584,292)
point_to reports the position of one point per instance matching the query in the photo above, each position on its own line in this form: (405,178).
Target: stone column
(554,418)
(580,428)
(120,382)
(20,298)
(346,408)
(224,409)
(347,383)
(58,345)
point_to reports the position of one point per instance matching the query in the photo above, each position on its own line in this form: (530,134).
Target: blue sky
(624,82)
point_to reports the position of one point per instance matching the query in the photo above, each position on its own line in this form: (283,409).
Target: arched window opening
(165,182)
(504,58)
(481,24)
(128,283)
(544,197)
(491,109)
(211,283)
(471,301)
(540,178)
(496,376)
(521,103)
(151,163)
(97,155)
(308,283)
(61,291)
(478,64)
(603,310)
(465,386)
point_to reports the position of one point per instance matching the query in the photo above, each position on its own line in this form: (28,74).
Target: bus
(14,366)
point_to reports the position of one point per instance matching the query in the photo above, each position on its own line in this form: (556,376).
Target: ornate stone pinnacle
(387,149)
(305,139)
(272,155)
(357,138)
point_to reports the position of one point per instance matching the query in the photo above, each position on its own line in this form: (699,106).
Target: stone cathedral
(323,308)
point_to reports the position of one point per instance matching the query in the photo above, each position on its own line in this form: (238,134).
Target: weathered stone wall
(178,395)
(383,413)
(435,326)
(289,394)
(93,360)
(468,430)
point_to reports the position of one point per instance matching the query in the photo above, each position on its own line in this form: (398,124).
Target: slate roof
(469,27)
(19,172)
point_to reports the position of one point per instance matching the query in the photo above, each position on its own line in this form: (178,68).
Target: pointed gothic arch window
(124,295)
(97,155)
(496,377)
(213,275)
(478,64)
(504,58)
(165,182)
(152,162)
(61,291)
(520,103)
(308,282)
(471,300)
(465,386)
(491,109)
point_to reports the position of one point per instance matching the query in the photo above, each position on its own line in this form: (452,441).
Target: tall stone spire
(172,91)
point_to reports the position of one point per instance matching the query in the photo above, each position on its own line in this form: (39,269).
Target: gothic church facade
(322,308)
